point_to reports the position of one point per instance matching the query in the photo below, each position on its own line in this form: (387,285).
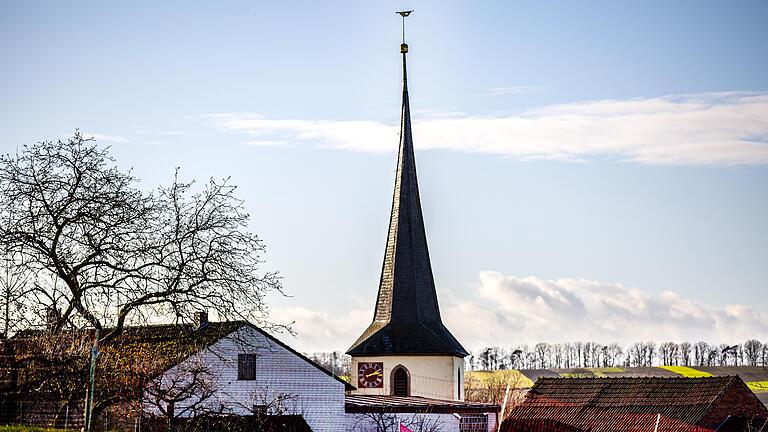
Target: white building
(242,370)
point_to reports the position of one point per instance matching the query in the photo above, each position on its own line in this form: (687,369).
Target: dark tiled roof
(407,293)
(156,348)
(413,404)
(619,404)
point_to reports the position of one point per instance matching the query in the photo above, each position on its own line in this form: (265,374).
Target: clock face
(370,374)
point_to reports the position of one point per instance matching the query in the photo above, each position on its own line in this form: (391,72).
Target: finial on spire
(404,46)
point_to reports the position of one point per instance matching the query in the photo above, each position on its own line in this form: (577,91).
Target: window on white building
(400,386)
(473,423)
(246,367)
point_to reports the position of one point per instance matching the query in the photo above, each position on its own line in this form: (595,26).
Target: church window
(400,385)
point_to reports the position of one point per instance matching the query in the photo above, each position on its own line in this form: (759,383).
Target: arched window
(400,382)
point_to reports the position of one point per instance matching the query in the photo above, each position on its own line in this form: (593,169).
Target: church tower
(407,351)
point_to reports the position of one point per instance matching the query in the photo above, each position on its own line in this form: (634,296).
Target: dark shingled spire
(407,318)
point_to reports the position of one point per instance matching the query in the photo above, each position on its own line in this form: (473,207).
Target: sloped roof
(156,348)
(407,317)
(621,404)
(357,403)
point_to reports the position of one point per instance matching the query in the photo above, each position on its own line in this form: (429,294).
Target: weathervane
(404,46)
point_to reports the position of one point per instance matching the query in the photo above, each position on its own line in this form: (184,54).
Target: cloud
(504,310)
(319,331)
(727,128)
(529,310)
(117,139)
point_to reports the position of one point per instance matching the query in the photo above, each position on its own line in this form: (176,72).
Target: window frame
(246,367)
(473,423)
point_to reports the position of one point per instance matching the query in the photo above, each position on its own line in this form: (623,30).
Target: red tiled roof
(620,404)
(413,404)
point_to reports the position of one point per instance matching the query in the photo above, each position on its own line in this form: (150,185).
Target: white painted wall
(438,377)
(317,396)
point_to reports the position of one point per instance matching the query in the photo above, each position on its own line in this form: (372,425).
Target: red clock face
(370,374)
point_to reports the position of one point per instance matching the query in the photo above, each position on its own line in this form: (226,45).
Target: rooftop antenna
(404,46)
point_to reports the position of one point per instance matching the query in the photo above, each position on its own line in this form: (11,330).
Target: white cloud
(709,128)
(319,331)
(528,310)
(117,139)
(505,310)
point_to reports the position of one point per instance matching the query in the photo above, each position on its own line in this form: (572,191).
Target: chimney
(201,319)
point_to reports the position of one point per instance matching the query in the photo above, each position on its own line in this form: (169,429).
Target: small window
(458,383)
(473,423)
(246,367)
(400,382)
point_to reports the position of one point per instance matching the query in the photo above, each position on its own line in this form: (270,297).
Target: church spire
(407,317)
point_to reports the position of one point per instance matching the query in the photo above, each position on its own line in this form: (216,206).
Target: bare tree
(390,422)
(637,354)
(337,362)
(15,287)
(685,353)
(579,351)
(650,348)
(106,253)
(752,350)
(542,351)
(186,390)
(53,368)
(764,355)
(668,353)
(614,351)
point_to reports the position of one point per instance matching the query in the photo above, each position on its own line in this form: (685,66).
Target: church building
(407,351)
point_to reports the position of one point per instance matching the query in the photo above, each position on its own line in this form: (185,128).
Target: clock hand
(373,374)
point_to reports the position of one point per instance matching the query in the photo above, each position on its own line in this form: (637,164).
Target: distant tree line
(640,354)
(336,362)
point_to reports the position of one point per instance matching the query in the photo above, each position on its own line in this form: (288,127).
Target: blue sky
(572,155)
